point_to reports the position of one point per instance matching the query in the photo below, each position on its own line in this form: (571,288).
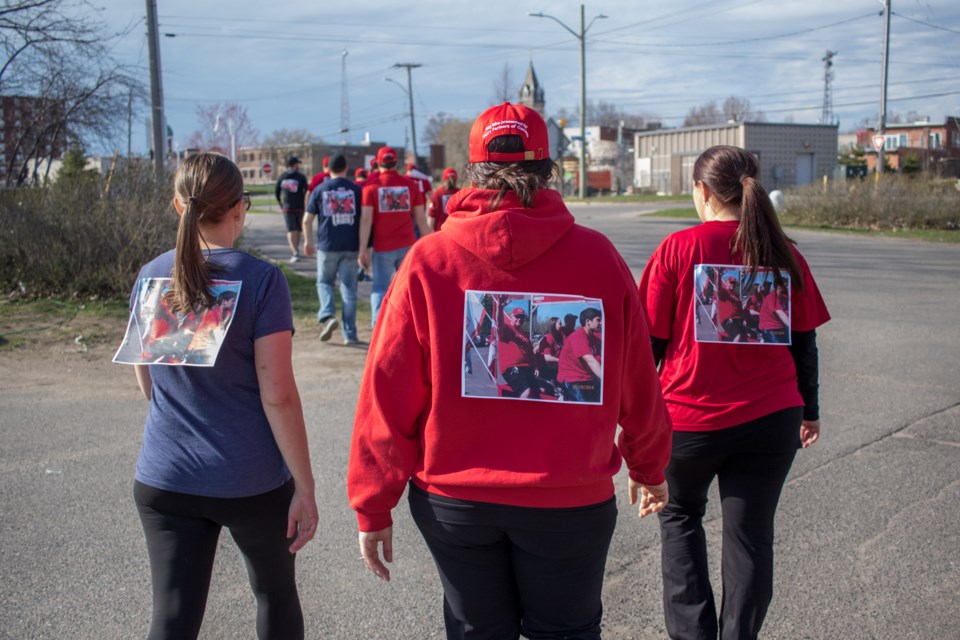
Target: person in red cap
(374,170)
(360,176)
(319,178)
(392,204)
(422,180)
(437,211)
(513,495)
(740,410)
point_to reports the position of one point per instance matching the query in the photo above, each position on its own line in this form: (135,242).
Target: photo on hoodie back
(532,346)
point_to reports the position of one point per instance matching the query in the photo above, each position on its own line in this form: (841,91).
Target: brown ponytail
(207,186)
(731,175)
(523,178)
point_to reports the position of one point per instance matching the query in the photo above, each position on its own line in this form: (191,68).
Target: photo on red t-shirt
(532,346)
(733,308)
(394,199)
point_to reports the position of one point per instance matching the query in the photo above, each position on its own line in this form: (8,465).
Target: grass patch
(26,322)
(690,213)
(637,197)
(306,304)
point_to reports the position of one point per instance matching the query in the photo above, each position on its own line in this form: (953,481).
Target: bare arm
(281,403)
(309,247)
(144,381)
(366,225)
(421,220)
(595,367)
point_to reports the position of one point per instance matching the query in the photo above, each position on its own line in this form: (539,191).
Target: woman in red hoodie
(513,495)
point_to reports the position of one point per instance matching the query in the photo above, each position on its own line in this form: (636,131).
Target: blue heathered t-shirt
(206,432)
(336,203)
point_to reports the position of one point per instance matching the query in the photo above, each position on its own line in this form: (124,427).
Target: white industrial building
(789,154)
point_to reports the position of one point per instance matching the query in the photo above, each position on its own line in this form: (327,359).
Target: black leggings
(750,463)
(182,532)
(507,570)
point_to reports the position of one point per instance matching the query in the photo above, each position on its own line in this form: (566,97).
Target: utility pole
(882,128)
(409,66)
(344,101)
(156,90)
(826,115)
(582,37)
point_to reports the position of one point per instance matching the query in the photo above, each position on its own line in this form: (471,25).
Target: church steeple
(531,93)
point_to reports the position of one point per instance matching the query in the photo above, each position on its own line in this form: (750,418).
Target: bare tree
(504,88)
(230,114)
(707,113)
(60,82)
(453,134)
(607,114)
(285,137)
(738,110)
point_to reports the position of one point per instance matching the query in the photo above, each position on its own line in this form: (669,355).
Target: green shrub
(894,203)
(78,239)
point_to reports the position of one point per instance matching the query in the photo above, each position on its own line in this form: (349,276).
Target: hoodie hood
(511,235)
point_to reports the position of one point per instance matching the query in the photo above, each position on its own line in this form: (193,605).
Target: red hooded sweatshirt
(415,418)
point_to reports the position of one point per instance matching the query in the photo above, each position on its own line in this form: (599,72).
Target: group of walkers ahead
(514,496)
(369,222)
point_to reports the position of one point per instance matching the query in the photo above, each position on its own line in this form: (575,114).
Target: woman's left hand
(302,519)
(653,498)
(809,432)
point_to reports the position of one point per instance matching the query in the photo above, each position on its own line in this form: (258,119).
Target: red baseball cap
(519,312)
(410,165)
(386,154)
(449,173)
(360,172)
(509,120)
(373,163)
(326,161)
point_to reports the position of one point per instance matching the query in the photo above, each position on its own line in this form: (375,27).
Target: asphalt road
(867,539)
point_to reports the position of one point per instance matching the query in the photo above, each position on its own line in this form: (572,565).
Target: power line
(924,23)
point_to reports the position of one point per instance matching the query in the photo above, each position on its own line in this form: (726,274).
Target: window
(934,142)
(895,141)
(955,138)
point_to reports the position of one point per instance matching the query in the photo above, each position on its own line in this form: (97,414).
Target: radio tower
(827,117)
(344,101)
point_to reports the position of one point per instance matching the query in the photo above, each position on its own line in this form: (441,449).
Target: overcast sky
(282,59)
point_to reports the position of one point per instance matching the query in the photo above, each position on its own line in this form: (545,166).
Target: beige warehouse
(789,154)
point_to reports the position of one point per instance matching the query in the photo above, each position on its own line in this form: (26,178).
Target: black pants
(507,570)
(182,532)
(750,463)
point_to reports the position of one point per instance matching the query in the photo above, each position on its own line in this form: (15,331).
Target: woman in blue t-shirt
(224,441)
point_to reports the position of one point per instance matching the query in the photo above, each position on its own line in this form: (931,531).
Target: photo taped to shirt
(157,335)
(340,206)
(394,199)
(730,307)
(532,346)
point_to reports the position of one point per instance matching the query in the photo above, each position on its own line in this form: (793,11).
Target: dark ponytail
(731,175)
(207,186)
(524,178)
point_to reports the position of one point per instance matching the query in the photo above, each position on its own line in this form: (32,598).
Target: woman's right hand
(302,519)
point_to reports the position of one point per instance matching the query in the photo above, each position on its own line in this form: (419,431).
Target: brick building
(929,147)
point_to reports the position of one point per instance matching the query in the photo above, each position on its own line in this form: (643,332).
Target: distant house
(935,147)
(789,154)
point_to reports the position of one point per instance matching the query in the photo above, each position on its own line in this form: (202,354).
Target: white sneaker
(295,258)
(328,328)
(349,342)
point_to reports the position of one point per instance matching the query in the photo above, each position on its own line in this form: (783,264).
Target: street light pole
(882,129)
(409,66)
(582,37)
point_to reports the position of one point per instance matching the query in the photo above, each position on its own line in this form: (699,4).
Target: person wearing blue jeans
(385,265)
(336,203)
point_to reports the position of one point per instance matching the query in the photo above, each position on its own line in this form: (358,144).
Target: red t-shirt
(768,312)
(514,349)
(317,180)
(572,368)
(716,385)
(393,198)
(438,206)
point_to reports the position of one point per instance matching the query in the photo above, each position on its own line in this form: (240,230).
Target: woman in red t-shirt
(740,408)
(438,200)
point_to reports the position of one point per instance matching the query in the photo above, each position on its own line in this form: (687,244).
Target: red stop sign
(266,168)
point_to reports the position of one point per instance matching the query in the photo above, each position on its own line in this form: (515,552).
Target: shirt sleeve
(369,196)
(658,292)
(393,401)
(808,311)
(274,310)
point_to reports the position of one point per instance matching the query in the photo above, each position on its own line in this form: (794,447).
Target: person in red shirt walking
(392,204)
(740,409)
(437,212)
(513,495)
